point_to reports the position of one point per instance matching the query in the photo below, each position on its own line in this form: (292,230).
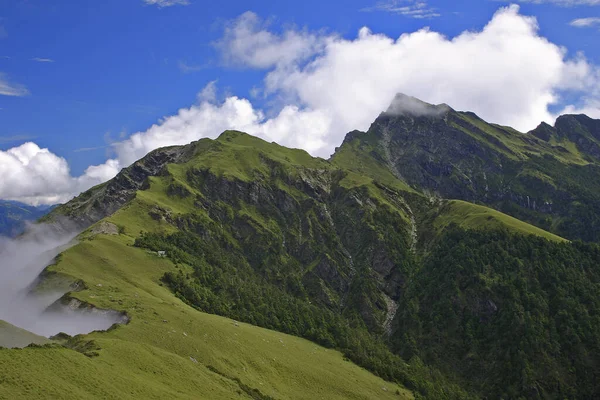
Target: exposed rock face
(348,247)
(433,152)
(105,228)
(334,233)
(105,199)
(540,177)
(581,130)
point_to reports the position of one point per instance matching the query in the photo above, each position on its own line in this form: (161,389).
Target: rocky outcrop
(537,177)
(581,130)
(105,199)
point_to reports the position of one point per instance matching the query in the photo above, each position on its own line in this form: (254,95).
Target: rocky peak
(581,130)
(580,123)
(403,105)
(543,131)
(105,199)
(350,136)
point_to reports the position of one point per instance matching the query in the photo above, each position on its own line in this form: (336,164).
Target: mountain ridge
(460,156)
(355,252)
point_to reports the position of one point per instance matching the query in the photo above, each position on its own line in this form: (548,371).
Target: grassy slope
(357,156)
(521,145)
(11,336)
(150,358)
(472,216)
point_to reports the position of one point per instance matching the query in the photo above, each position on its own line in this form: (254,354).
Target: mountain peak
(543,131)
(411,106)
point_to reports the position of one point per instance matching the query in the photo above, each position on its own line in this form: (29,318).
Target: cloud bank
(320,86)
(23,260)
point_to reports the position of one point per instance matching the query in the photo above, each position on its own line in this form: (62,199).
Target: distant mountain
(436,250)
(15,215)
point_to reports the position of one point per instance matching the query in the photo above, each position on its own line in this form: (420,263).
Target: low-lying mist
(37,309)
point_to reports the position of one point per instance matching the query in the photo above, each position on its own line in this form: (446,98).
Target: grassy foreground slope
(11,336)
(170,350)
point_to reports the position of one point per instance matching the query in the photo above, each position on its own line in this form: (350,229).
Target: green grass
(11,336)
(520,146)
(356,157)
(241,156)
(472,216)
(170,350)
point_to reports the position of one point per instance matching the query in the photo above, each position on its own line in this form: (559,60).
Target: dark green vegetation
(510,316)
(492,294)
(14,215)
(549,177)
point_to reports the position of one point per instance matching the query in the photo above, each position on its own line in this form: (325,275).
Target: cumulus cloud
(8,88)
(324,85)
(585,22)
(209,119)
(506,72)
(167,3)
(247,42)
(36,176)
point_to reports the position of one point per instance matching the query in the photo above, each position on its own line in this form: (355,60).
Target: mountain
(415,252)
(549,177)
(15,215)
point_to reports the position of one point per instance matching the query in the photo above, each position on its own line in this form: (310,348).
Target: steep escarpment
(306,226)
(547,177)
(103,200)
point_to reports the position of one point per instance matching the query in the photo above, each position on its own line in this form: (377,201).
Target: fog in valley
(35,308)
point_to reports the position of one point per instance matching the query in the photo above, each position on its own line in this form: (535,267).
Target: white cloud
(188,68)
(8,88)
(167,3)
(585,22)
(208,119)
(506,73)
(29,173)
(209,93)
(36,176)
(247,42)
(42,60)
(326,85)
(409,8)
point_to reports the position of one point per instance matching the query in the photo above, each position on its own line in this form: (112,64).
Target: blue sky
(79,76)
